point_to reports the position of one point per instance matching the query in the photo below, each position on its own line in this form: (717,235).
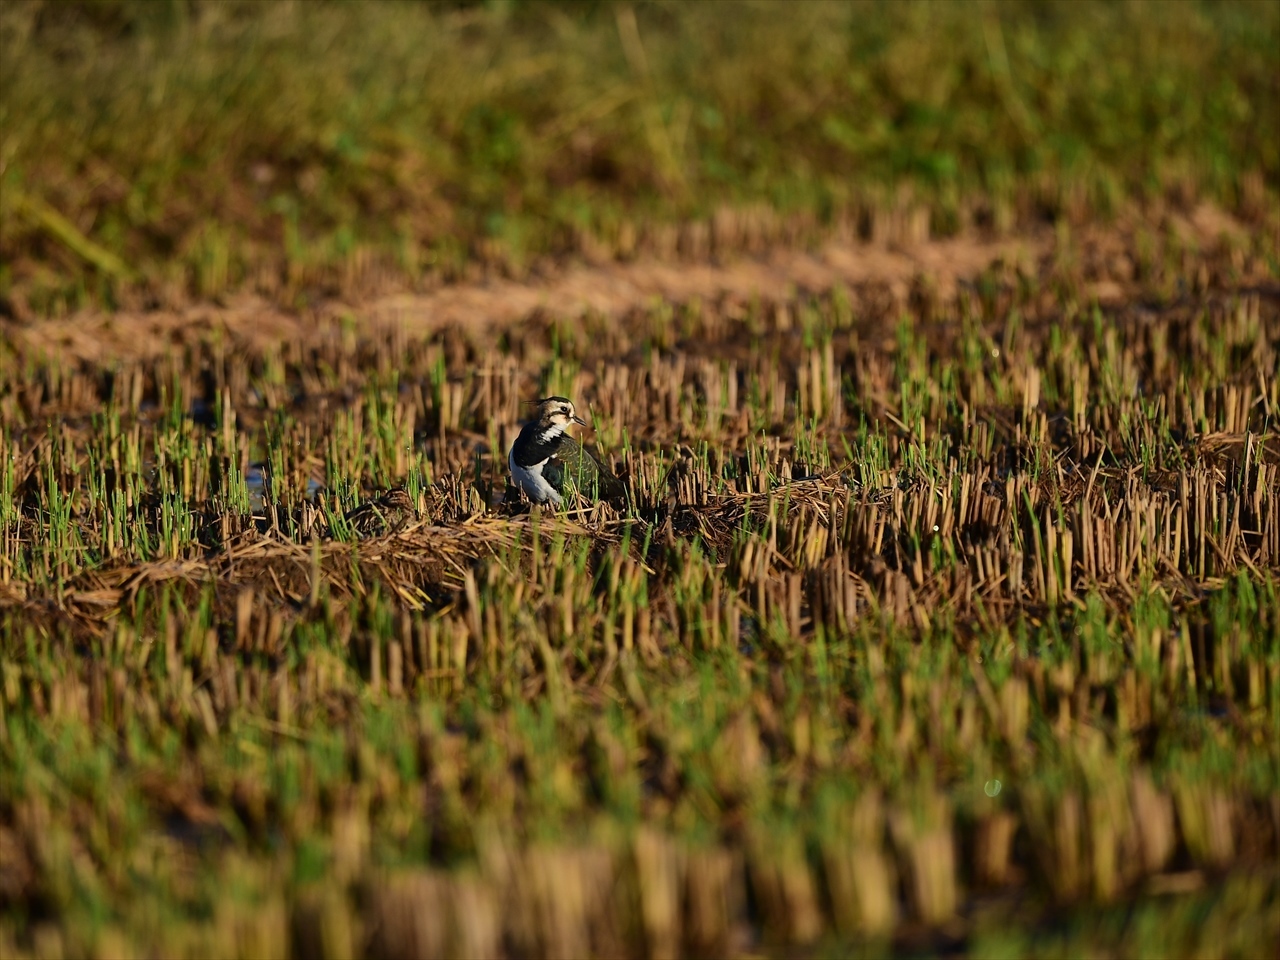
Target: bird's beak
(579,420)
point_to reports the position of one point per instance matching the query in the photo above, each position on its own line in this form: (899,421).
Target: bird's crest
(541,400)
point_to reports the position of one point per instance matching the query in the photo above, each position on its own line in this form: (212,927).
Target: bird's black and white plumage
(546,463)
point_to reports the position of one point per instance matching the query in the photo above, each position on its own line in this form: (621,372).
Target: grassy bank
(154,151)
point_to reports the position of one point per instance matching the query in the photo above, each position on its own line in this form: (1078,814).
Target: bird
(546,463)
(388,513)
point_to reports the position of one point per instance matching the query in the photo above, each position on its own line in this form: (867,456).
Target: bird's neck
(549,432)
(536,442)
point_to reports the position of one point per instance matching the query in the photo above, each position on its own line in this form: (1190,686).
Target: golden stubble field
(943,615)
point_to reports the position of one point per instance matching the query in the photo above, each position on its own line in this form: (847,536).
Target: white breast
(530,480)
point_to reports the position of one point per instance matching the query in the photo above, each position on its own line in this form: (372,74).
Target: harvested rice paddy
(933,622)
(943,614)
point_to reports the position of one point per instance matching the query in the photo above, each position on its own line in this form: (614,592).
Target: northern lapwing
(546,463)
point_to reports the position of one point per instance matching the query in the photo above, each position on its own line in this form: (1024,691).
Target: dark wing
(608,486)
(574,464)
(553,472)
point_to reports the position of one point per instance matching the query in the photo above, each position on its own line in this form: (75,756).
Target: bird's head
(554,416)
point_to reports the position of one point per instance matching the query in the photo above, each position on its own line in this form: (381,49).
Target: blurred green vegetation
(158,149)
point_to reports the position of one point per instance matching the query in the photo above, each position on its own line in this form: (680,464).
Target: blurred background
(157,150)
